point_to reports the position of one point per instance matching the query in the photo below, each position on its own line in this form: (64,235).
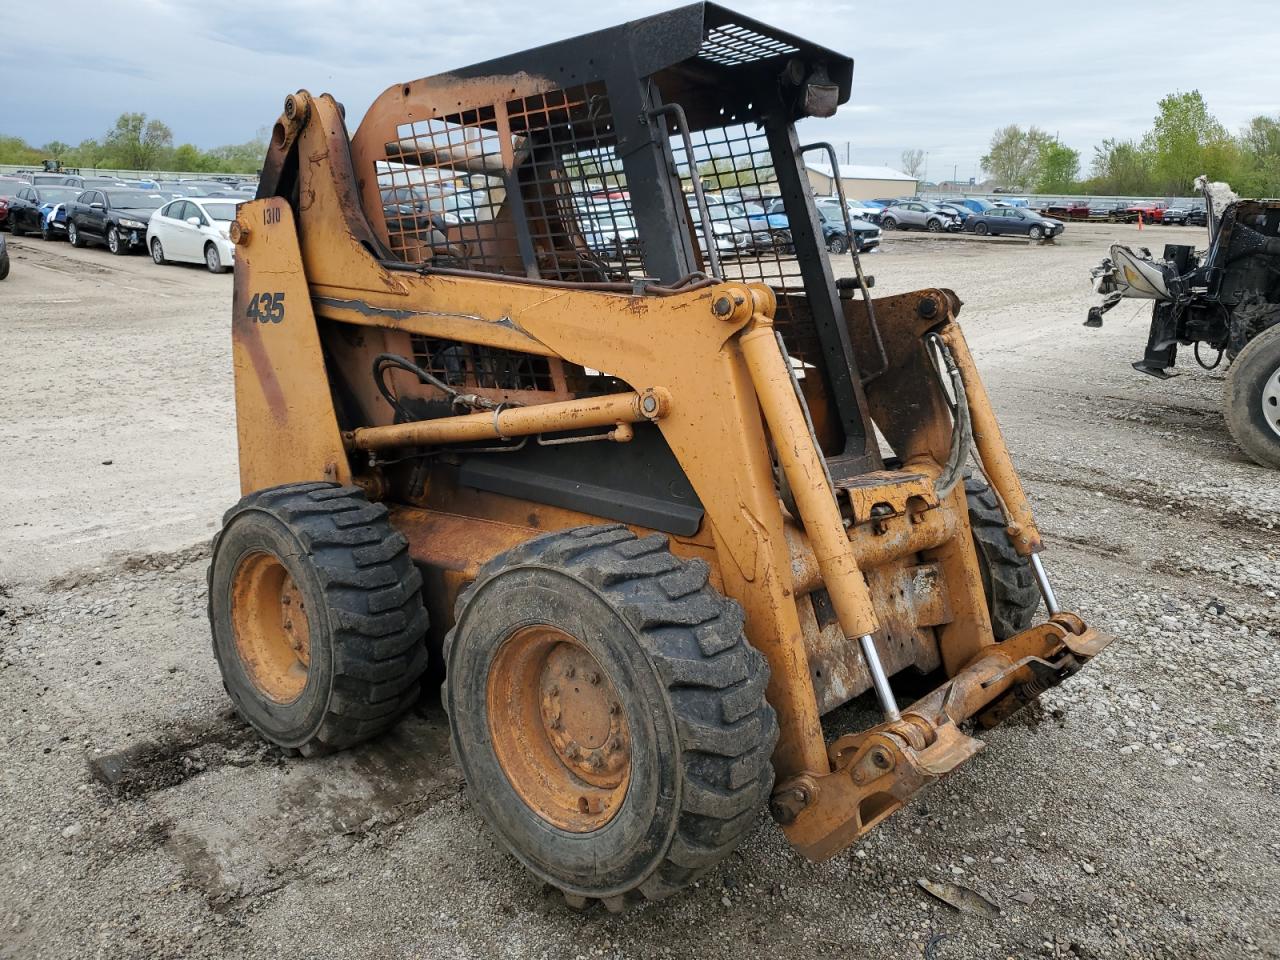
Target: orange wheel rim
(558,729)
(273,637)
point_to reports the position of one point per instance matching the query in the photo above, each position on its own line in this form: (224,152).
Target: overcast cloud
(940,76)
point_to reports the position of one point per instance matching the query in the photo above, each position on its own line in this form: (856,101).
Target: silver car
(918,215)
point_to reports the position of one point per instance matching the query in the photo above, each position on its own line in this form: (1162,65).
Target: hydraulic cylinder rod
(506,422)
(815,500)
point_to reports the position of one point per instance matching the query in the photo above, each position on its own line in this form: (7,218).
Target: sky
(937,76)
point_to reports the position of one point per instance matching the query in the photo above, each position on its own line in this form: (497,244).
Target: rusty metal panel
(909,600)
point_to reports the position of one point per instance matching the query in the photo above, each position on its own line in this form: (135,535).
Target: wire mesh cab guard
(563,163)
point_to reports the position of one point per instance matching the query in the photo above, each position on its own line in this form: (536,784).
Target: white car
(194,230)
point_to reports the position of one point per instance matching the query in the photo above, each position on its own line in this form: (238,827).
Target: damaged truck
(1222,302)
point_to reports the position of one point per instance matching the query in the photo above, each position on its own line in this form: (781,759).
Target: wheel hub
(1271,401)
(272,634)
(559,728)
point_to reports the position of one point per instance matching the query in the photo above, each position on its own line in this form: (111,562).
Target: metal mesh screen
(476,367)
(577,203)
(443,188)
(731,45)
(749,223)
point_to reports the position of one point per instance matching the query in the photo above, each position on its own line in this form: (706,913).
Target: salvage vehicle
(1225,299)
(193,230)
(116,218)
(9,187)
(1014,220)
(649,517)
(40,210)
(918,215)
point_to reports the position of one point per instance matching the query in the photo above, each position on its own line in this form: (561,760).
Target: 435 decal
(266,308)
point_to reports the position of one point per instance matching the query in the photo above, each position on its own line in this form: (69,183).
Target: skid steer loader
(529,401)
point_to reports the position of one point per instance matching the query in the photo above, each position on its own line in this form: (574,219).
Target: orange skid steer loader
(533,398)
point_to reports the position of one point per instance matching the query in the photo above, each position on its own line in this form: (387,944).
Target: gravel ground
(1132,815)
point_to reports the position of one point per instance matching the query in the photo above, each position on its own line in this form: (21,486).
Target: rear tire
(1007,578)
(73,235)
(888,223)
(17,229)
(157,252)
(690,714)
(212,259)
(1252,398)
(980,229)
(317,616)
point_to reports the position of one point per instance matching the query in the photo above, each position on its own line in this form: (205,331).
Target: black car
(866,236)
(1197,217)
(4,259)
(117,218)
(1014,220)
(25,215)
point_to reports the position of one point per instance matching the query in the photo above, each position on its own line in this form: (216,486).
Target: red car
(1067,210)
(8,187)
(1151,212)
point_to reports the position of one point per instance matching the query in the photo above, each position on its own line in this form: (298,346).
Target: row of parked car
(184,221)
(1125,211)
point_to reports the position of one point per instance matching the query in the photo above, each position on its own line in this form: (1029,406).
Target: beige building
(860,183)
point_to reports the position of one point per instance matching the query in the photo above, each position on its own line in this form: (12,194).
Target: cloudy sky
(940,76)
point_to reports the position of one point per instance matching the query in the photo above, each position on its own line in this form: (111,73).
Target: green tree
(1013,159)
(1059,168)
(17,150)
(136,143)
(1120,166)
(56,149)
(1259,167)
(1183,139)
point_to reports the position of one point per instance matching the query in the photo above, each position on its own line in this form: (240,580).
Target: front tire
(115,243)
(1252,398)
(1007,578)
(837,244)
(608,713)
(1036,232)
(934,226)
(317,616)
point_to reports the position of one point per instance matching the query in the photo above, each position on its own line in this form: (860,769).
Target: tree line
(138,143)
(1185,141)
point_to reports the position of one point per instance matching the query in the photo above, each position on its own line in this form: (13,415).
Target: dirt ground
(1133,816)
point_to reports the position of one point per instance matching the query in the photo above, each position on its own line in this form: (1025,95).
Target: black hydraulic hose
(962,431)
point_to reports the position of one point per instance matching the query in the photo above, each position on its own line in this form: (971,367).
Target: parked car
(1150,212)
(41,210)
(57,180)
(1181,215)
(4,258)
(1015,201)
(208,188)
(1066,210)
(9,187)
(960,213)
(972,204)
(193,230)
(117,218)
(830,207)
(866,236)
(918,214)
(1197,217)
(731,226)
(1014,220)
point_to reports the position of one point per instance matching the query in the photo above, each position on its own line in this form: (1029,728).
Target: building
(860,183)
